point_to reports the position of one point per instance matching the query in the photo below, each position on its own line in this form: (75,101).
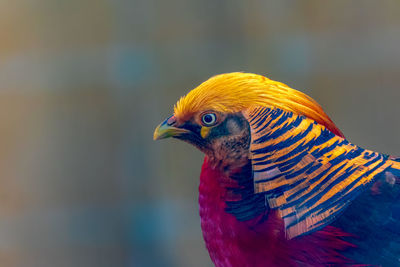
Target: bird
(280,185)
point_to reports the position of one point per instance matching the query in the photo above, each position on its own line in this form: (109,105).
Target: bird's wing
(373,219)
(305,171)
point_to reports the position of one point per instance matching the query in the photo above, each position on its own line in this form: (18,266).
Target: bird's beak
(165,129)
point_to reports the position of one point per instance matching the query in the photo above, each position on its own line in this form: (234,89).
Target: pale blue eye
(209,119)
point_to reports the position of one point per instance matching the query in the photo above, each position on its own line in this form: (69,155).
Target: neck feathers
(306,172)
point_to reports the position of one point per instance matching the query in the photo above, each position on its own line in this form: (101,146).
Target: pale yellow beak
(165,130)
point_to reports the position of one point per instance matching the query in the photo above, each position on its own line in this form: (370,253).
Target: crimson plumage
(280,185)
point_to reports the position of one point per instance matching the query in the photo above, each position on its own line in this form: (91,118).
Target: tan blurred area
(84,83)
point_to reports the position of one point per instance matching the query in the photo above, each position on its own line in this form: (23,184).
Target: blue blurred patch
(131,66)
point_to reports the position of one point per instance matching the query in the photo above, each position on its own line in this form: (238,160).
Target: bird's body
(280,185)
(259,241)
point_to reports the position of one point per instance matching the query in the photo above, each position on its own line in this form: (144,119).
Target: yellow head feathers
(234,92)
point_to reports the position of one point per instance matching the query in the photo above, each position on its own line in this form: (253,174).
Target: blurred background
(84,83)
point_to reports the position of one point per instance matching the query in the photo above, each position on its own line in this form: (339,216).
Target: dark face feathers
(226,144)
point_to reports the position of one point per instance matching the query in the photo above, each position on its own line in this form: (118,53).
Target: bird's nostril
(171,120)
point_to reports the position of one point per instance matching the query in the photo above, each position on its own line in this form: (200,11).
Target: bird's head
(212,116)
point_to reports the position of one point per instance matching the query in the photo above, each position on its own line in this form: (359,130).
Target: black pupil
(208,118)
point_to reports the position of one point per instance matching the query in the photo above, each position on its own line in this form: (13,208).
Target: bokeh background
(83,83)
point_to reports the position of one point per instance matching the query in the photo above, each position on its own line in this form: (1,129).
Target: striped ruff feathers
(305,171)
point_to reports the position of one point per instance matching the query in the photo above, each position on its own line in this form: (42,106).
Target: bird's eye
(209,119)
